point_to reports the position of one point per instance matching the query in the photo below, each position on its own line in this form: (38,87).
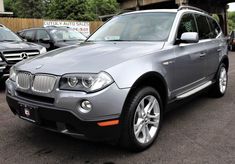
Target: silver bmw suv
(117,85)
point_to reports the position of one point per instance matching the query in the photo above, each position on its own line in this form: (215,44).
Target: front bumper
(63,115)
(67,122)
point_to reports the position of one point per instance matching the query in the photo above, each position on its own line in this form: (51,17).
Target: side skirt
(193,91)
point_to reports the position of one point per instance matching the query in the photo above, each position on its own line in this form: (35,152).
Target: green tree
(29,8)
(62,9)
(231,21)
(96,8)
(8,4)
(26,8)
(80,9)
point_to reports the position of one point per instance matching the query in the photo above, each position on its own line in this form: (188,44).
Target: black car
(232,41)
(52,37)
(13,49)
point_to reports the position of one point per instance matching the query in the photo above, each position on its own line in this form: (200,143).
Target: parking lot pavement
(199,131)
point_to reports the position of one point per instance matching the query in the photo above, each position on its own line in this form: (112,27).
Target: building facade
(1,6)
(218,7)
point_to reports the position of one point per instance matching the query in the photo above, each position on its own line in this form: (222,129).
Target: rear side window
(29,35)
(215,29)
(42,35)
(203,27)
(187,24)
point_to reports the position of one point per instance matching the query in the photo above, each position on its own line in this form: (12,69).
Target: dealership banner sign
(83,27)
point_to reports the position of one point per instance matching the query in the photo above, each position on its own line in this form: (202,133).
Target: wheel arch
(153,79)
(225,61)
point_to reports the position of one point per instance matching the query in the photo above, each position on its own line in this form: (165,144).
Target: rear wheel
(230,47)
(142,119)
(220,87)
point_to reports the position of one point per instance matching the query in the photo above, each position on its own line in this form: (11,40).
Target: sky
(231,7)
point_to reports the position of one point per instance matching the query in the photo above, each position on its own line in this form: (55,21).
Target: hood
(88,57)
(18,45)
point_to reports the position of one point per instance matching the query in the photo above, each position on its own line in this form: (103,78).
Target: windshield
(8,35)
(66,35)
(154,26)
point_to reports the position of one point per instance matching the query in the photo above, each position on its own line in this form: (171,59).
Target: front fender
(127,73)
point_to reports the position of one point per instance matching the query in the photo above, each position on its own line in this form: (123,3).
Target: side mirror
(45,40)
(189,37)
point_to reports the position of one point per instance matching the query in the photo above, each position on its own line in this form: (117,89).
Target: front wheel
(220,86)
(142,119)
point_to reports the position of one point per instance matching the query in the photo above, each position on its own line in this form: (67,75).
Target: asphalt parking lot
(199,131)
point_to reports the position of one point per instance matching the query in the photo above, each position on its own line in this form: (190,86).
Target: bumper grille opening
(47,100)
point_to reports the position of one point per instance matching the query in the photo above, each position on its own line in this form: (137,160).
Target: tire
(2,83)
(220,87)
(136,134)
(231,48)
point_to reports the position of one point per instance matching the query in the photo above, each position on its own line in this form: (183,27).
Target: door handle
(219,50)
(168,62)
(202,54)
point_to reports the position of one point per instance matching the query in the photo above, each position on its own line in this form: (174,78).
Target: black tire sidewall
(133,102)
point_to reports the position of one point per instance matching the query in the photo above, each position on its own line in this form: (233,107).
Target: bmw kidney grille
(38,83)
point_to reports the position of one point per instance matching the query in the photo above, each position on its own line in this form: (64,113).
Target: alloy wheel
(223,80)
(146,119)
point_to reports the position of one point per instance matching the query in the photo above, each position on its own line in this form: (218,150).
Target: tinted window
(42,35)
(215,29)
(29,35)
(187,24)
(64,34)
(203,27)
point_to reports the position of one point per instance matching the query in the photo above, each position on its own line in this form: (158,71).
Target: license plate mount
(28,112)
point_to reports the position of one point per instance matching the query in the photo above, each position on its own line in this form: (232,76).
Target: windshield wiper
(70,40)
(8,40)
(114,40)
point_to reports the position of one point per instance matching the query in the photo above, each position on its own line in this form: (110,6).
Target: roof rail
(192,8)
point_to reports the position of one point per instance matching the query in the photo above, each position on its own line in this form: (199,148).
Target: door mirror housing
(189,37)
(45,40)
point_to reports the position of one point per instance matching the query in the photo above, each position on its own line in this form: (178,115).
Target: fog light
(9,90)
(86,106)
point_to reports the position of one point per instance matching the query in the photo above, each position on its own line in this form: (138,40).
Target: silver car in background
(117,85)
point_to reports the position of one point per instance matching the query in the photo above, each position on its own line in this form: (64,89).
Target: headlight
(43,50)
(12,75)
(0,59)
(85,82)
